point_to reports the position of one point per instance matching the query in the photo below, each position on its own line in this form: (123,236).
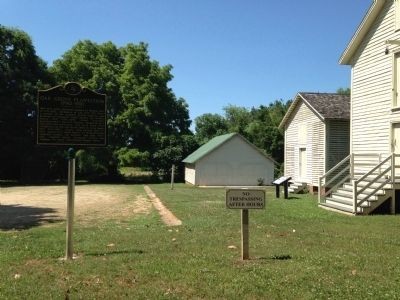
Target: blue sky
(244,53)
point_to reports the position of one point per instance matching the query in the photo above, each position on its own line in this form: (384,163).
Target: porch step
(371,192)
(297,187)
(348,188)
(347,193)
(336,207)
(347,201)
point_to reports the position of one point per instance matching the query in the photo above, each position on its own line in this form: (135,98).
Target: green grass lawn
(297,250)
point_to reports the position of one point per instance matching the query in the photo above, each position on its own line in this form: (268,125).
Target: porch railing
(344,169)
(372,170)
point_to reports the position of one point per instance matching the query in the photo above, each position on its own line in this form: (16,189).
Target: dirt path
(167,216)
(24,207)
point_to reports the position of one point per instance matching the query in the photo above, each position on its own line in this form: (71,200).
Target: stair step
(349,194)
(337,207)
(347,202)
(373,185)
(296,187)
(341,195)
(348,188)
(336,199)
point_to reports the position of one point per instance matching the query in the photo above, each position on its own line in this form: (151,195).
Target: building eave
(299,97)
(362,30)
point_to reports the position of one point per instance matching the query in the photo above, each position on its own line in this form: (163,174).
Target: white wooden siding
(337,142)
(303,116)
(190,174)
(318,151)
(234,163)
(372,83)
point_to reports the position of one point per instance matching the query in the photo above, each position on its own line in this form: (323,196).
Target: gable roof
(362,30)
(324,105)
(215,143)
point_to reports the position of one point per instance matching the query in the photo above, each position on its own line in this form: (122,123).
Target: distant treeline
(148,126)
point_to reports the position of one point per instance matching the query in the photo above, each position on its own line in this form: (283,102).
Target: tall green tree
(237,118)
(259,125)
(22,72)
(208,126)
(142,108)
(151,106)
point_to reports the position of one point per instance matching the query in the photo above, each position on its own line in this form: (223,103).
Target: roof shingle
(325,105)
(329,106)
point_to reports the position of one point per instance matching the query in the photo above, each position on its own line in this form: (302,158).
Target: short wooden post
(355,196)
(70,203)
(245,234)
(277,192)
(172,176)
(286,189)
(319,189)
(351,166)
(393,202)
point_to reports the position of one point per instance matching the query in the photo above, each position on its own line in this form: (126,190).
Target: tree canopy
(142,109)
(22,72)
(258,125)
(148,126)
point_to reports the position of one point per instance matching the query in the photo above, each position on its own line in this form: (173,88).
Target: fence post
(352,166)
(393,202)
(172,176)
(355,196)
(319,189)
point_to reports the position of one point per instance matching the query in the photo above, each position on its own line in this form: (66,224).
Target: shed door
(302,163)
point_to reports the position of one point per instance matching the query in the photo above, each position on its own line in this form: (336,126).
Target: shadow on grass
(276,257)
(292,198)
(18,217)
(107,253)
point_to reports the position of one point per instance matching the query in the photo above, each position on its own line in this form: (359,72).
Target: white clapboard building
(316,131)
(228,160)
(374,163)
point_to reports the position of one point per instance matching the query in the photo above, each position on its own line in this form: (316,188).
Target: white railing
(382,175)
(371,178)
(345,171)
(343,167)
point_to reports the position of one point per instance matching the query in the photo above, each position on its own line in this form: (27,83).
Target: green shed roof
(208,147)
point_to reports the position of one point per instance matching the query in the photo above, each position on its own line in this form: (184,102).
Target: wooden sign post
(71,115)
(172,176)
(245,199)
(245,234)
(70,203)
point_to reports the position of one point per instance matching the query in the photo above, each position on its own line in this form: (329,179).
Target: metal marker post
(172,176)
(70,204)
(245,234)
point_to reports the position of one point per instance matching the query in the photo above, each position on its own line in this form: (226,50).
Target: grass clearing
(298,252)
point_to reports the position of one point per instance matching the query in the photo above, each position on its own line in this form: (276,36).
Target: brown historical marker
(72,116)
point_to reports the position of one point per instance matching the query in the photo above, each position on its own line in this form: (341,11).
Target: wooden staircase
(360,195)
(342,199)
(297,187)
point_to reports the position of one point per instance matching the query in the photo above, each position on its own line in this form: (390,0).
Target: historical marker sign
(245,199)
(71,115)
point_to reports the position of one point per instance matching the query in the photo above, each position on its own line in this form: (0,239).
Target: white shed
(228,160)
(317,136)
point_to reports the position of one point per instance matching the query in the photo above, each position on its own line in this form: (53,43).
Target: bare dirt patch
(22,207)
(167,216)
